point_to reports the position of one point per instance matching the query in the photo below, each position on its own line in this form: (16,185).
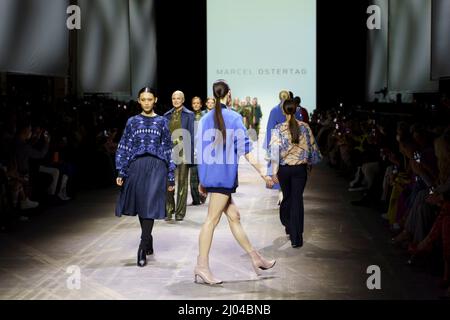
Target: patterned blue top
(145,135)
(283,151)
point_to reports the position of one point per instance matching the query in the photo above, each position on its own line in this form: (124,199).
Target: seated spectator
(421,215)
(439,197)
(439,235)
(401,176)
(17,185)
(23,153)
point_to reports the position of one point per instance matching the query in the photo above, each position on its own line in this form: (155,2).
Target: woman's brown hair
(290,108)
(220,90)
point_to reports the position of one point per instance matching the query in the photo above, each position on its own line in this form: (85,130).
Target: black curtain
(181,49)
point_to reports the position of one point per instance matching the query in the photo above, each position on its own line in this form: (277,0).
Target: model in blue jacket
(221,140)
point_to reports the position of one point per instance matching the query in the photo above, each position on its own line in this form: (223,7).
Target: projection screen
(410,46)
(142,44)
(440,52)
(377,55)
(33,37)
(262,47)
(104,46)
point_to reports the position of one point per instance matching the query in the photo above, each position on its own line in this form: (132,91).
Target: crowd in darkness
(400,163)
(48,153)
(51,150)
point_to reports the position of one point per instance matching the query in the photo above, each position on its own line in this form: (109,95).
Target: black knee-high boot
(146,236)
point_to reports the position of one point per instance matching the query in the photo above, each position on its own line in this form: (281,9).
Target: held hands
(275,179)
(269,182)
(171,188)
(272,180)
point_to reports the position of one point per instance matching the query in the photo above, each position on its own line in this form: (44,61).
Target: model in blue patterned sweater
(145,170)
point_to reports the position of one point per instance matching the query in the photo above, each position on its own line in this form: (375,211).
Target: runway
(341,242)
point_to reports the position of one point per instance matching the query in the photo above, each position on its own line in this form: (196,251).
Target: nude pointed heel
(202,271)
(260,263)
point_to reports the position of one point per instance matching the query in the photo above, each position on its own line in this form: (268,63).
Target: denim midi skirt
(144,190)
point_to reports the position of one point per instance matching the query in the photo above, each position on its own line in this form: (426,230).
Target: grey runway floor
(341,242)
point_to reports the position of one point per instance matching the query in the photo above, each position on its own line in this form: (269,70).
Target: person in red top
(304,112)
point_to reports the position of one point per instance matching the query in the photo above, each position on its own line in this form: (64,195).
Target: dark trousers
(292,181)
(194,186)
(179,209)
(146,235)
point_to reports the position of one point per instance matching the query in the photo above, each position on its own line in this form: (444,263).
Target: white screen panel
(34,38)
(262,47)
(441,39)
(104,46)
(377,54)
(143,44)
(410,46)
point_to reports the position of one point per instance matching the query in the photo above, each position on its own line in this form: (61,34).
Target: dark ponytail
(147,90)
(220,90)
(290,108)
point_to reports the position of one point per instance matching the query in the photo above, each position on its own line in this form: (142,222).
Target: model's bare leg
(234,220)
(217,204)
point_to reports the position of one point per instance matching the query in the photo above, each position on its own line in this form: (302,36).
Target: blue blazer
(187,123)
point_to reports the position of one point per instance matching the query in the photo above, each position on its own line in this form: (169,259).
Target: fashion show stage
(42,259)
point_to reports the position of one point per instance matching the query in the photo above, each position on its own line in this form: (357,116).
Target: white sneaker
(28,204)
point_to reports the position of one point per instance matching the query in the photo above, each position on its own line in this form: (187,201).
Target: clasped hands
(272,180)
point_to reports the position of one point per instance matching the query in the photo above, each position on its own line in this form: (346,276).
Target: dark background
(181,49)
(341,50)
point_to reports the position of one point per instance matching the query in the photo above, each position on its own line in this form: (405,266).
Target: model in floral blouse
(293,150)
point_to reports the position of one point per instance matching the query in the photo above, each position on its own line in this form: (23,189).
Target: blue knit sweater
(145,135)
